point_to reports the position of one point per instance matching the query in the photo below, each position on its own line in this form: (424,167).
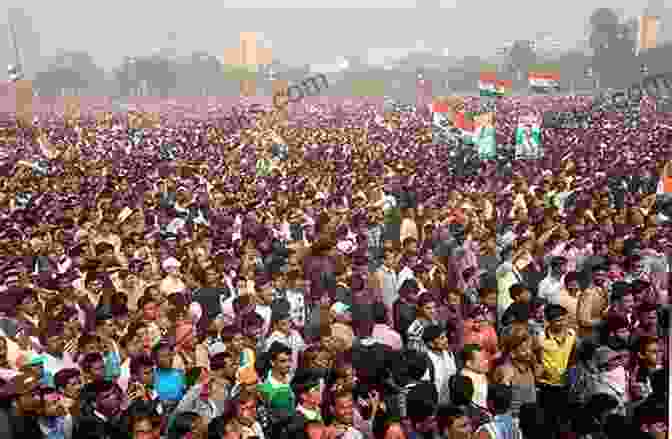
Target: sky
(300,31)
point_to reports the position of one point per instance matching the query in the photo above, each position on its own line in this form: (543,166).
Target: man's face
(150,311)
(165,358)
(106,328)
(281,364)
(343,409)
(73,387)
(98,370)
(247,412)
(412,248)
(628,303)
(558,324)
(650,319)
(144,429)
(440,343)
(428,310)
(519,328)
(650,355)
(461,428)
(559,270)
(109,404)
(55,344)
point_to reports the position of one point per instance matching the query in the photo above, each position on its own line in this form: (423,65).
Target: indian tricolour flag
(504,87)
(548,80)
(487,84)
(465,121)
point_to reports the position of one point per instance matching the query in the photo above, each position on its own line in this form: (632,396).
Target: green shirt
(279,395)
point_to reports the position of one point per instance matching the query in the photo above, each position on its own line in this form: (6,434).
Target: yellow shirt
(556,358)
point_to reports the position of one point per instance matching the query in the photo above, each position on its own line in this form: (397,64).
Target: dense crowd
(331,275)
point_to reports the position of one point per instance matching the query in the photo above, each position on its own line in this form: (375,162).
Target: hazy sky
(329,29)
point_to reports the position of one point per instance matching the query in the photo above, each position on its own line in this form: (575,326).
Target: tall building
(6,51)
(28,40)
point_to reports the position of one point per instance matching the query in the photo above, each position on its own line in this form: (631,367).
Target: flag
(528,137)
(504,87)
(467,125)
(487,84)
(544,80)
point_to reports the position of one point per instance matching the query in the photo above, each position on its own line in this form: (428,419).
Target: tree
(71,73)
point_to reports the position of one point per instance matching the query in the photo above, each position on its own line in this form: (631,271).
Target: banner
(485,136)
(528,137)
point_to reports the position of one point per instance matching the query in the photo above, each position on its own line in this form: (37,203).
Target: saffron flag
(544,80)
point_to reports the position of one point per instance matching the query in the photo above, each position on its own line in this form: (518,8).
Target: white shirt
(480,381)
(444,368)
(265,312)
(550,289)
(53,364)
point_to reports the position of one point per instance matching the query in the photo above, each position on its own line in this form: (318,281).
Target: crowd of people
(330,276)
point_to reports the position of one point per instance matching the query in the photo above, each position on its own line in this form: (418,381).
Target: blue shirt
(169,384)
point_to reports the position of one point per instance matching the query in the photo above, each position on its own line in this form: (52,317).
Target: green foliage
(239,72)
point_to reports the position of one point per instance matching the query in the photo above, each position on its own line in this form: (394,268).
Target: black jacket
(91,426)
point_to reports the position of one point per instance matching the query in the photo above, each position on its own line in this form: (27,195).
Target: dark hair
(182,424)
(659,380)
(278,348)
(87,339)
(447,414)
(500,397)
(645,341)
(461,389)
(379,313)
(141,410)
(62,377)
(144,300)
(468,352)
(532,421)
(140,361)
(416,363)
(572,276)
(90,359)
(516,290)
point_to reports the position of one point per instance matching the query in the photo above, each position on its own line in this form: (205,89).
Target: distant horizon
(315,36)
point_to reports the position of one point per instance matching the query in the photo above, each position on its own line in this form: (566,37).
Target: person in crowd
(518,368)
(645,363)
(550,287)
(382,332)
(503,424)
(276,388)
(476,368)
(162,277)
(453,422)
(558,355)
(444,363)
(425,316)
